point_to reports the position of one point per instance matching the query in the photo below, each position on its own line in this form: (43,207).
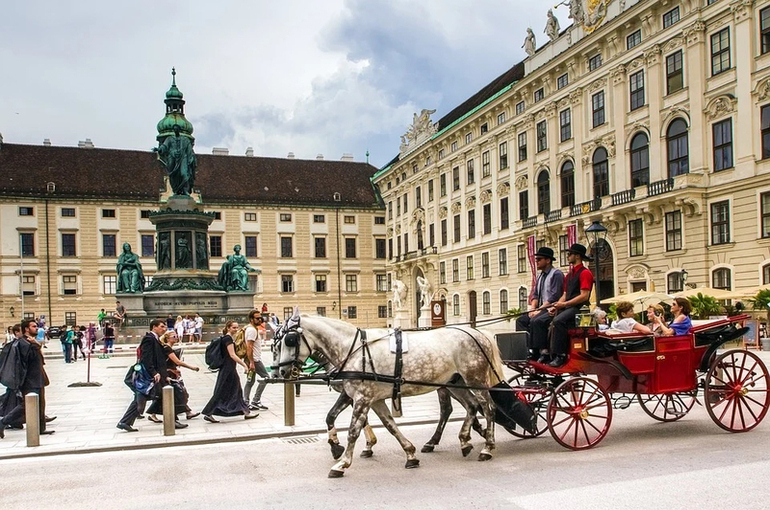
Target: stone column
(620,105)
(744,51)
(656,89)
(700,133)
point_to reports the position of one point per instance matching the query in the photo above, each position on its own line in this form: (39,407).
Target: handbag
(141,380)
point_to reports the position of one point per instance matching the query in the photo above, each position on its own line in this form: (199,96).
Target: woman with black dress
(228,395)
(181,396)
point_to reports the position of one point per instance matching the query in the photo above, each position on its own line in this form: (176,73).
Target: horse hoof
(412,463)
(428,448)
(337,451)
(367,454)
(466,450)
(336,474)
(484,456)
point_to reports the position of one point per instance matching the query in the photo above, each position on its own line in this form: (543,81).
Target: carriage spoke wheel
(579,413)
(667,407)
(736,391)
(538,402)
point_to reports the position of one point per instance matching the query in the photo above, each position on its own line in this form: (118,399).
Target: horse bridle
(291,337)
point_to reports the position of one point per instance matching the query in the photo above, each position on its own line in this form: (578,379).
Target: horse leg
(469,402)
(383,413)
(371,440)
(343,401)
(357,422)
(485,400)
(445,403)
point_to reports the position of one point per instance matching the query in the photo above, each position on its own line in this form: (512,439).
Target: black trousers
(562,322)
(135,408)
(537,328)
(16,415)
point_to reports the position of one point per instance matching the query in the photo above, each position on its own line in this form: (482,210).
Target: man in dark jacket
(154,360)
(34,380)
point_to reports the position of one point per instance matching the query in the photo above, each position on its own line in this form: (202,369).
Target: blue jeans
(67,350)
(108,345)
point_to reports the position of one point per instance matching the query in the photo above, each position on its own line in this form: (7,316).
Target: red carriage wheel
(539,403)
(579,413)
(736,391)
(667,407)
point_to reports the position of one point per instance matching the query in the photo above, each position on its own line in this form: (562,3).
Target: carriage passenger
(626,322)
(681,324)
(655,318)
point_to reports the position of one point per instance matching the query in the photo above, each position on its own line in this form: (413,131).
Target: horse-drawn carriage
(664,374)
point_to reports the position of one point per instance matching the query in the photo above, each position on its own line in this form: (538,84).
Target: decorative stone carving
(652,56)
(670,115)
(576,96)
(637,272)
(418,215)
(608,142)
(550,110)
(720,106)
(390,231)
(635,64)
(638,126)
(618,74)
(470,202)
(522,182)
(398,228)
(672,44)
(742,9)
(530,45)
(422,129)
(563,103)
(485,196)
(503,188)
(588,14)
(442,212)
(552,27)
(529,121)
(457,207)
(762,90)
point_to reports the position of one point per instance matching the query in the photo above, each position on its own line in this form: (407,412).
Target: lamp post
(683,274)
(597,233)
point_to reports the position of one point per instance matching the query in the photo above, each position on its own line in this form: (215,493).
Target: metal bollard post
(32,412)
(288,404)
(169,416)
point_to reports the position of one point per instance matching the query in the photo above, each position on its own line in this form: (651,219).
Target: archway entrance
(472,311)
(606,276)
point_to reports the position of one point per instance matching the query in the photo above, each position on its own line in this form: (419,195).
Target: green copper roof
(174,113)
(173,92)
(167,123)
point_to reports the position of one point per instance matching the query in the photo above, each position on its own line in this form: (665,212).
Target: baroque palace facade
(652,117)
(315,229)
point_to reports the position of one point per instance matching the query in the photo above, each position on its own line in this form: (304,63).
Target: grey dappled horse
(433,357)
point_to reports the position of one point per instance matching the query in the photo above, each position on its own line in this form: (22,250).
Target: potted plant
(761,302)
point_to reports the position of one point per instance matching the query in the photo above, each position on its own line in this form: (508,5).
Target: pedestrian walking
(91,336)
(227,399)
(179,327)
(256,367)
(109,338)
(198,327)
(181,396)
(66,340)
(42,337)
(77,342)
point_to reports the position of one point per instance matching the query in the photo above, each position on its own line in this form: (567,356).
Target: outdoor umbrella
(706,291)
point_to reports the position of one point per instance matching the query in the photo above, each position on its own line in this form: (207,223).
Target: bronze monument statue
(176,154)
(129,269)
(234,273)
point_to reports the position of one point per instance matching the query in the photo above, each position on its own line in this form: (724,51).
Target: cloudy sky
(307,76)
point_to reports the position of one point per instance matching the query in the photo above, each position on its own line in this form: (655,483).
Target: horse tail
(495,374)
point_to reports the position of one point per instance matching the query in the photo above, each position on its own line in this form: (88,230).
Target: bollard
(169,416)
(288,404)
(32,412)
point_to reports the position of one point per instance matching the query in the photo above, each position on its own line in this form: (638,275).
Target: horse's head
(290,348)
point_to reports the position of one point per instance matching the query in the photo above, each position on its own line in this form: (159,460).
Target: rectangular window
(69,212)
(634,39)
(503,155)
(379,220)
(27,241)
(352,312)
(444,235)
(406,243)
(68,245)
(595,62)
(486,303)
(764,27)
(381,283)
(110,284)
(285,217)
(457,228)
(502,256)
(250,216)
(456,305)
(523,205)
(390,210)
(442,185)
(764,202)
(565,125)
(379,248)
(215,246)
(382,312)
(456,178)
(432,234)
(351,220)
(636,238)
(108,213)
(70,318)
(468,137)
(469,273)
(320,247)
(484,129)
(287,312)
(406,203)
(671,17)
(597,107)
(320,311)
(485,167)
(453,146)
(144,214)
(563,248)
(319,218)
(765,117)
(720,51)
(541,136)
(636,84)
(350,247)
(26,211)
(320,283)
(485,264)
(430,190)
(472,224)
(521,258)
(487,213)
(455,270)
(539,95)
(519,107)
(675,282)
(70,284)
(674,231)
(148,245)
(351,283)
(398,207)
(286,247)
(723,144)
(674,72)
(523,146)
(720,222)
(504,217)
(442,273)
(500,118)
(562,81)
(250,245)
(471,173)
(287,283)
(217,215)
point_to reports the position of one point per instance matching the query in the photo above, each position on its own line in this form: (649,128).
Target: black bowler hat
(545,252)
(580,250)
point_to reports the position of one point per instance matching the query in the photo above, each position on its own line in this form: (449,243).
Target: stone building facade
(650,117)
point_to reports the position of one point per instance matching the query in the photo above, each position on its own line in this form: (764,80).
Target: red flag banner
(571,234)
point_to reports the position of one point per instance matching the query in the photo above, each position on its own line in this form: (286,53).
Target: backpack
(11,368)
(241,349)
(215,358)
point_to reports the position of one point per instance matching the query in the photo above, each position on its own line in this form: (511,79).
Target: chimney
(347,156)
(320,156)
(290,156)
(47,142)
(87,144)
(220,151)
(250,152)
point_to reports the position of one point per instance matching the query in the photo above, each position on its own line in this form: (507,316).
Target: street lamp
(597,233)
(683,274)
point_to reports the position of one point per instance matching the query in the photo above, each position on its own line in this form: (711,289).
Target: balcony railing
(552,216)
(660,187)
(586,207)
(430,250)
(529,222)
(624,197)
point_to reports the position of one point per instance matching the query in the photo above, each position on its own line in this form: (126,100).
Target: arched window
(721,278)
(567,184)
(766,274)
(390,308)
(456,305)
(523,298)
(640,160)
(678,155)
(675,282)
(486,302)
(543,193)
(601,173)
(504,301)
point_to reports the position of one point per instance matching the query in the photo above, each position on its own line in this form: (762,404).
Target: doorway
(472,311)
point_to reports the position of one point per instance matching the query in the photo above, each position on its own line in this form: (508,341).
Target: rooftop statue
(129,269)
(552,27)
(529,43)
(176,154)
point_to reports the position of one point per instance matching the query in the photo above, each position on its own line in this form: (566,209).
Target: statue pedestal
(401,319)
(424,321)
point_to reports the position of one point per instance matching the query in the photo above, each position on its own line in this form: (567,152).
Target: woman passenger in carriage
(681,324)
(626,322)
(655,315)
